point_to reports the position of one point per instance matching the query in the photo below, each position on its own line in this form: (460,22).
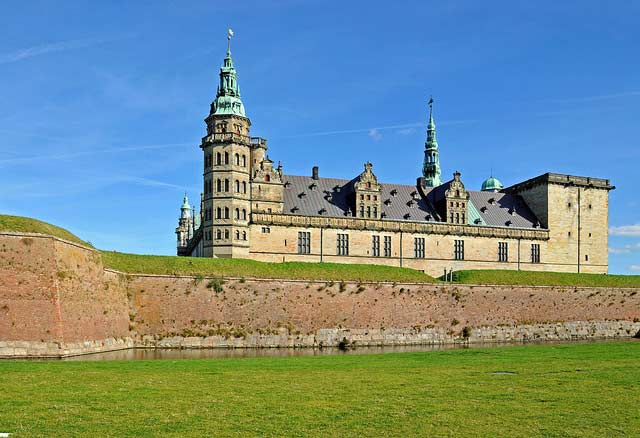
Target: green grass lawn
(556,390)
(545,278)
(149,264)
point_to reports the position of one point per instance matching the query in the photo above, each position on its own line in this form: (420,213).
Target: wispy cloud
(406,131)
(626,230)
(89,152)
(61,46)
(596,98)
(634,268)
(379,128)
(627,249)
(374,134)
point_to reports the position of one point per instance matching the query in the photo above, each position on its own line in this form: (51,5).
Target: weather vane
(229,35)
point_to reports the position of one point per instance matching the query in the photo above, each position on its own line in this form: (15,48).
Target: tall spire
(228,100)
(431,165)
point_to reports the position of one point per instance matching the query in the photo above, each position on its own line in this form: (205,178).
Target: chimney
(314,172)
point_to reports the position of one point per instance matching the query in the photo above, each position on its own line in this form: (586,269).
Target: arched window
(226,158)
(237,213)
(244,187)
(244,235)
(226,234)
(237,159)
(368,211)
(219,213)
(457,218)
(218,159)
(219,185)
(244,161)
(226,185)
(267,178)
(219,235)
(462,218)
(226,212)
(244,214)
(237,184)
(237,235)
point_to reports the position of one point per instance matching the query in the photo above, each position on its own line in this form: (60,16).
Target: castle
(250,208)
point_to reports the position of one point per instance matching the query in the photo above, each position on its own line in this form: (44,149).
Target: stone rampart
(56,299)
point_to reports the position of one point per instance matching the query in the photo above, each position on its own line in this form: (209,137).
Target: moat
(223,353)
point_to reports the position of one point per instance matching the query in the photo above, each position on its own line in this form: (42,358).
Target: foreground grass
(172,265)
(545,278)
(562,390)
(28,225)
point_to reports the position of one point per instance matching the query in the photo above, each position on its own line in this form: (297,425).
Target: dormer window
(294,209)
(483,209)
(508,223)
(387,202)
(302,195)
(394,192)
(492,201)
(407,216)
(322,211)
(287,184)
(313,186)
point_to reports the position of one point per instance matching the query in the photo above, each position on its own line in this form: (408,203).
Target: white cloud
(625,230)
(374,133)
(627,249)
(634,268)
(406,131)
(43,49)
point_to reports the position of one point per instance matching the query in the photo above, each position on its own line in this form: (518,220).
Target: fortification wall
(303,313)
(56,299)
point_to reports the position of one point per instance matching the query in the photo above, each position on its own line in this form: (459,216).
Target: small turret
(184,231)
(492,184)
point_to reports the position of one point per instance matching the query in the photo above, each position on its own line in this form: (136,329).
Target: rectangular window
(458,250)
(376,246)
(503,252)
(343,245)
(387,246)
(535,253)
(266,230)
(304,242)
(418,247)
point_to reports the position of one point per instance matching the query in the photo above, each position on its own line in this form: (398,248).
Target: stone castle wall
(56,299)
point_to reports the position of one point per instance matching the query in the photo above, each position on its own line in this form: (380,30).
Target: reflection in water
(219,353)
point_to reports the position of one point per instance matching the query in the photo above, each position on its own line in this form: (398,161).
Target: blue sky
(103,102)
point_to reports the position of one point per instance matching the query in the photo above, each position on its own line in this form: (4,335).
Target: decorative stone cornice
(351,223)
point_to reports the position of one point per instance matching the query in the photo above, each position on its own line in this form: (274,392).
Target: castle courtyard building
(250,208)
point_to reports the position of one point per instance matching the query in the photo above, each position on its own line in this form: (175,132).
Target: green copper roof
(228,100)
(492,184)
(431,165)
(474,215)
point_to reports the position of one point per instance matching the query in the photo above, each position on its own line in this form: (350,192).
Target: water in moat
(221,353)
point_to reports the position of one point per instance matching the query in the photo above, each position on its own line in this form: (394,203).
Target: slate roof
(334,197)
(503,209)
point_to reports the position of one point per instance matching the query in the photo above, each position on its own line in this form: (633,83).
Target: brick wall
(57,299)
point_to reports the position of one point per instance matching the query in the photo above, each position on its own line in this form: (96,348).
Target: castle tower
(183,231)
(431,165)
(227,169)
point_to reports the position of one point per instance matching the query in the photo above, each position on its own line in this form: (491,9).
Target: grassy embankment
(545,278)
(172,265)
(580,390)
(29,225)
